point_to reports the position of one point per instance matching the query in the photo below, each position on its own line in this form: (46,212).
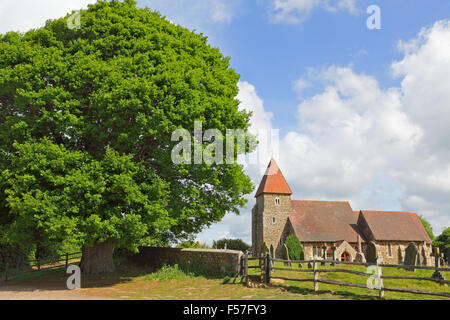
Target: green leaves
(57,195)
(86,118)
(295,247)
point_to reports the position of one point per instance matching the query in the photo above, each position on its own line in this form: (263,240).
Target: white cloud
(198,14)
(23,15)
(354,131)
(297,11)
(384,149)
(240,226)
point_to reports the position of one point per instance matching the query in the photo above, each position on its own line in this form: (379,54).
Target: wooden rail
(267,267)
(40,264)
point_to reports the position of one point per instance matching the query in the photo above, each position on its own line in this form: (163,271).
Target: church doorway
(345,256)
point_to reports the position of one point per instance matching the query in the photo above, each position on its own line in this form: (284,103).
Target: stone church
(332,229)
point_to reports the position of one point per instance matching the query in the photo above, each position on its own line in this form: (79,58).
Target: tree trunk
(98,258)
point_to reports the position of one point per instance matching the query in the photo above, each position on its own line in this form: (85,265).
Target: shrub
(232,244)
(295,247)
(169,273)
(192,245)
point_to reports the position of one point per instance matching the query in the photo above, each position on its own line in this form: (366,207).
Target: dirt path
(31,293)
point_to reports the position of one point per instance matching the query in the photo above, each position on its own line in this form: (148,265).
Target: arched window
(389,249)
(273,220)
(277,201)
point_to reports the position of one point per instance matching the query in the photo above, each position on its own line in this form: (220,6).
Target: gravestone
(419,259)
(412,256)
(272,251)
(372,252)
(442,260)
(285,254)
(310,265)
(324,256)
(439,276)
(333,252)
(360,258)
(400,255)
(264,249)
(300,266)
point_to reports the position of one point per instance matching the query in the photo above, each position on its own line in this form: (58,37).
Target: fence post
(268,268)
(316,275)
(39,263)
(67,259)
(380,280)
(262,266)
(246,268)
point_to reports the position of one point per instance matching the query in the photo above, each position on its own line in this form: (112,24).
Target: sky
(363,114)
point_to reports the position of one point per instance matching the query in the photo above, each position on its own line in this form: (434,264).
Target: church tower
(271,211)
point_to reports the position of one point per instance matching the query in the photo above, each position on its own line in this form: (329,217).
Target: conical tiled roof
(273,181)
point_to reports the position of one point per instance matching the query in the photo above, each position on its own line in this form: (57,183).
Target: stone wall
(309,249)
(210,260)
(397,252)
(395,256)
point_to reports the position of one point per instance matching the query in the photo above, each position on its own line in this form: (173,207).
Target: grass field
(172,283)
(357,293)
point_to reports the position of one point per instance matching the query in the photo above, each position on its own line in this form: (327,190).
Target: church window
(389,249)
(273,220)
(277,200)
(316,251)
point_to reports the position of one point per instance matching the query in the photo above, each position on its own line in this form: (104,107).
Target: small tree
(443,242)
(295,247)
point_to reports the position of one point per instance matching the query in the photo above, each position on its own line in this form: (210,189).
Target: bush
(295,247)
(232,244)
(192,245)
(169,273)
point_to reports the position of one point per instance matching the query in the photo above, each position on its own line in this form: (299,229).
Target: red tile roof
(324,221)
(395,225)
(273,181)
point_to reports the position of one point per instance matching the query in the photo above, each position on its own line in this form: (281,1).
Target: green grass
(176,282)
(356,293)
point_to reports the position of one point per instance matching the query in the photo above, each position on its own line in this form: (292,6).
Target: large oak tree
(86,118)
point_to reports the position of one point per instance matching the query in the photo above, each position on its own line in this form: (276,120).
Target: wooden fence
(266,266)
(35,265)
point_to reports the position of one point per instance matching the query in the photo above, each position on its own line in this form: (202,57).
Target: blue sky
(363,114)
(273,54)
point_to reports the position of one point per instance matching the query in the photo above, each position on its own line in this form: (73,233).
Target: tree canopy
(443,242)
(85,130)
(428,227)
(232,244)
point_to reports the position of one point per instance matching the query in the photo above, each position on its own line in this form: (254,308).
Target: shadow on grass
(337,294)
(56,279)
